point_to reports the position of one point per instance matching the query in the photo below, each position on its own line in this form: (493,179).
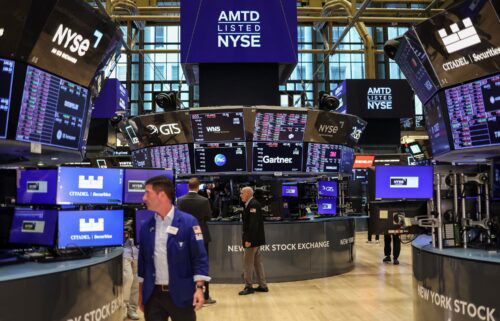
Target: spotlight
(115,121)
(391,47)
(327,102)
(167,101)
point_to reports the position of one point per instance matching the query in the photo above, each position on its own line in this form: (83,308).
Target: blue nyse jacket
(186,257)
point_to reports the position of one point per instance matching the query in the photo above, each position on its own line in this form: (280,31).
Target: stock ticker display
(279,126)
(6,77)
(53,110)
(171,156)
(474,111)
(329,158)
(277,157)
(220,157)
(213,127)
(436,128)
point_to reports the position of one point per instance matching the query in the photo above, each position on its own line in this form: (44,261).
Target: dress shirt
(160,252)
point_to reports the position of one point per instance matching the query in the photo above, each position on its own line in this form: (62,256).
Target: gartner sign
(238,31)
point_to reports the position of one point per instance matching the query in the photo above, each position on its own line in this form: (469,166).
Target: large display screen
(174,156)
(220,157)
(327,206)
(113,98)
(328,158)
(436,126)
(279,126)
(90,228)
(6,78)
(327,188)
(277,157)
(181,190)
(408,182)
(141,216)
(289,191)
(134,182)
(218,126)
(37,186)
(141,158)
(89,185)
(33,227)
(53,110)
(474,111)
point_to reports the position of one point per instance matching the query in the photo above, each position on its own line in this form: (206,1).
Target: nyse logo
(238,29)
(404,181)
(328,129)
(64,36)
(36,186)
(136,186)
(33,227)
(92,225)
(379,98)
(327,206)
(165,129)
(91,182)
(459,39)
(213,129)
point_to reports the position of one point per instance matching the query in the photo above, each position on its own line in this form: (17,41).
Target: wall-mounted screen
(327,206)
(53,110)
(328,158)
(6,78)
(404,182)
(277,157)
(327,188)
(220,157)
(33,227)
(89,185)
(271,126)
(289,191)
(218,126)
(37,186)
(90,228)
(141,158)
(436,126)
(141,216)
(134,180)
(171,156)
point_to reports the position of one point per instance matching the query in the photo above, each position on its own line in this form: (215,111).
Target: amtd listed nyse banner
(239,31)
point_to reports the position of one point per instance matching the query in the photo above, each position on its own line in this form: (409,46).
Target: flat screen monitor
(53,110)
(327,206)
(90,228)
(404,182)
(33,227)
(360,175)
(436,126)
(37,186)
(134,180)
(218,126)
(220,157)
(78,185)
(141,158)
(272,126)
(277,157)
(6,78)
(289,191)
(171,156)
(327,188)
(181,189)
(329,158)
(474,111)
(141,216)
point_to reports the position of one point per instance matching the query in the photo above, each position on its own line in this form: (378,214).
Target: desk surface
(423,242)
(32,269)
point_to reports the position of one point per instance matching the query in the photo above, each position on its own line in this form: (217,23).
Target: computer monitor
(327,188)
(277,157)
(218,126)
(90,228)
(404,182)
(289,191)
(329,158)
(220,158)
(6,79)
(271,126)
(37,186)
(141,216)
(171,156)
(33,227)
(134,180)
(327,206)
(181,189)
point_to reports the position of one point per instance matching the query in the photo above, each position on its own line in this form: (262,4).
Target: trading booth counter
(455,283)
(89,289)
(294,250)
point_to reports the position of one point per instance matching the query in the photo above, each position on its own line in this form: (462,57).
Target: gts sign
(165,129)
(65,37)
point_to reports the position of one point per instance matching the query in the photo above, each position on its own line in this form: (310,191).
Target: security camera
(391,47)
(327,102)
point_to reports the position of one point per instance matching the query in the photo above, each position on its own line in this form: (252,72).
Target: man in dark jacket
(253,237)
(198,206)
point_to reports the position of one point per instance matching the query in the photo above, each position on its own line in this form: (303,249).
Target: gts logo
(64,36)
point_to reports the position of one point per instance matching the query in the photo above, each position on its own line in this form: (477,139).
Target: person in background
(198,206)
(130,280)
(396,242)
(252,237)
(377,237)
(173,264)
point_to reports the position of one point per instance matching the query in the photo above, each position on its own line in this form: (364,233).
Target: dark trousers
(370,236)
(396,242)
(160,307)
(207,292)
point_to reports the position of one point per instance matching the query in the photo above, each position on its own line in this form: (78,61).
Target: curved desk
(455,283)
(295,250)
(89,289)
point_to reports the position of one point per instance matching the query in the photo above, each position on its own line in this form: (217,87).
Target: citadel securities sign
(238,31)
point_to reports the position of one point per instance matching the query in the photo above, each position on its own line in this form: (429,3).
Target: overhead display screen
(33,227)
(134,182)
(90,228)
(289,191)
(37,186)
(408,182)
(218,126)
(327,206)
(474,111)
(172,156)
(53,110)
(141,158)
(6,78)
(328,158)
(279,126)
(327,188)
(436,128)
(277,157)
(220,157)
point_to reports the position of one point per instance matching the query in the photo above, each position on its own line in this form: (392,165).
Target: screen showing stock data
(329,158)
(172,157)
(6,77)
(220,157)
(221,126)
(279,126)
(53,110)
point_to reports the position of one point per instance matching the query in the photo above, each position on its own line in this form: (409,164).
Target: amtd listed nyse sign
(238,29)
(379,98)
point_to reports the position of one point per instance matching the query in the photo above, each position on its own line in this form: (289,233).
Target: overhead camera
(167,101)
(327,102)
(391,47)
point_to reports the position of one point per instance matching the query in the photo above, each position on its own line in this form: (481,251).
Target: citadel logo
(91,182)
(92,225)
(277,160)
(379,98)
(459,39)
(36,186)
(404,181)
(165,129)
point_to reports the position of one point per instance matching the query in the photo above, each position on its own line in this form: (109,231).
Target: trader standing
(198,206)
(173,263)
(396,242)
(253,237)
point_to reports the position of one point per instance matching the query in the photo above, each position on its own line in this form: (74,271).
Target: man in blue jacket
(173,264)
